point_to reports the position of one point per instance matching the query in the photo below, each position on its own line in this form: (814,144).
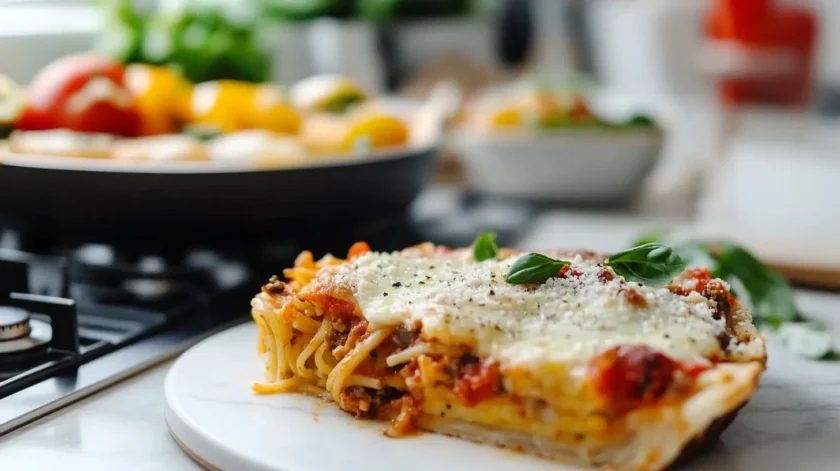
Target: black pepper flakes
(448,406)
(428,277)
(396,285)
(421,282)
(384,294)
(493,293)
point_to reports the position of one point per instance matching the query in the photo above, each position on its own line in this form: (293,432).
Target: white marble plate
(793,423)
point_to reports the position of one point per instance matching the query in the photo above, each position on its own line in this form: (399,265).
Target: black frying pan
(55,198)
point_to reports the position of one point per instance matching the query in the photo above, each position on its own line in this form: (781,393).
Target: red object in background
(54,100)
(774,46)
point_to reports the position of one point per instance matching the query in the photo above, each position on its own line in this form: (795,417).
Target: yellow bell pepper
(327,133)
(509,116)
(224,104)
(272,112)
(232,106)
(382,131)
(161,95)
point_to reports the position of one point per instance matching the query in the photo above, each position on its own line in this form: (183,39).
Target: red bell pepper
(83,93)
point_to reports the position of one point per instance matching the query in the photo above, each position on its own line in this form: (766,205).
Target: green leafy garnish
(649,238)
(484,247)
(202,132)
(652,264)
(340,104)
(769,296)
(533,268)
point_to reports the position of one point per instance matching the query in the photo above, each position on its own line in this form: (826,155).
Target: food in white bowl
(535,143)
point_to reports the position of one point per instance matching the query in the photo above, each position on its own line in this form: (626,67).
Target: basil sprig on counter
(768,295)
(484,247)
(650,264)
(533,268)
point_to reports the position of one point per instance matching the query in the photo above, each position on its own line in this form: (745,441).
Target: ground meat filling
(366,403)
(404,337)
(716,291)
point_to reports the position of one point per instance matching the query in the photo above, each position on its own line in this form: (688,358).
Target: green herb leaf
(698,256)
(649,238)
(340,104)
(652,264)
(771,297)
(202,132)
(484,247)
(640,121)
(533,268)
(810,340)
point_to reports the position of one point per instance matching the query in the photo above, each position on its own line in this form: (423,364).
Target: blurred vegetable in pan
(12,102)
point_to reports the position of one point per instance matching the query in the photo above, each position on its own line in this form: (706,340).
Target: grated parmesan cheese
(561,321)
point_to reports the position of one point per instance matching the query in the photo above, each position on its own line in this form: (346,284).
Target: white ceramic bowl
(592,165)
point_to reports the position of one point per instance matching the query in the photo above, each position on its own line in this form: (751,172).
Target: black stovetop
(77,316)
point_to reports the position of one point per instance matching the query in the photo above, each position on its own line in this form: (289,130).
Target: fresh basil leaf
(694,254)
(484,247)
(771,297)
(697,255)
(533,268)
(651,264)
(649,238)
(810,340)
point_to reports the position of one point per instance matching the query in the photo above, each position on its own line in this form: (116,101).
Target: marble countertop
(121,428)
(793,422)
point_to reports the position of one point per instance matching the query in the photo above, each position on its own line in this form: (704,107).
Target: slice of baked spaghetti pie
(622,361)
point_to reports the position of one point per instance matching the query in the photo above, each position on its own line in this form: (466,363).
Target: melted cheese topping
(561,321)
